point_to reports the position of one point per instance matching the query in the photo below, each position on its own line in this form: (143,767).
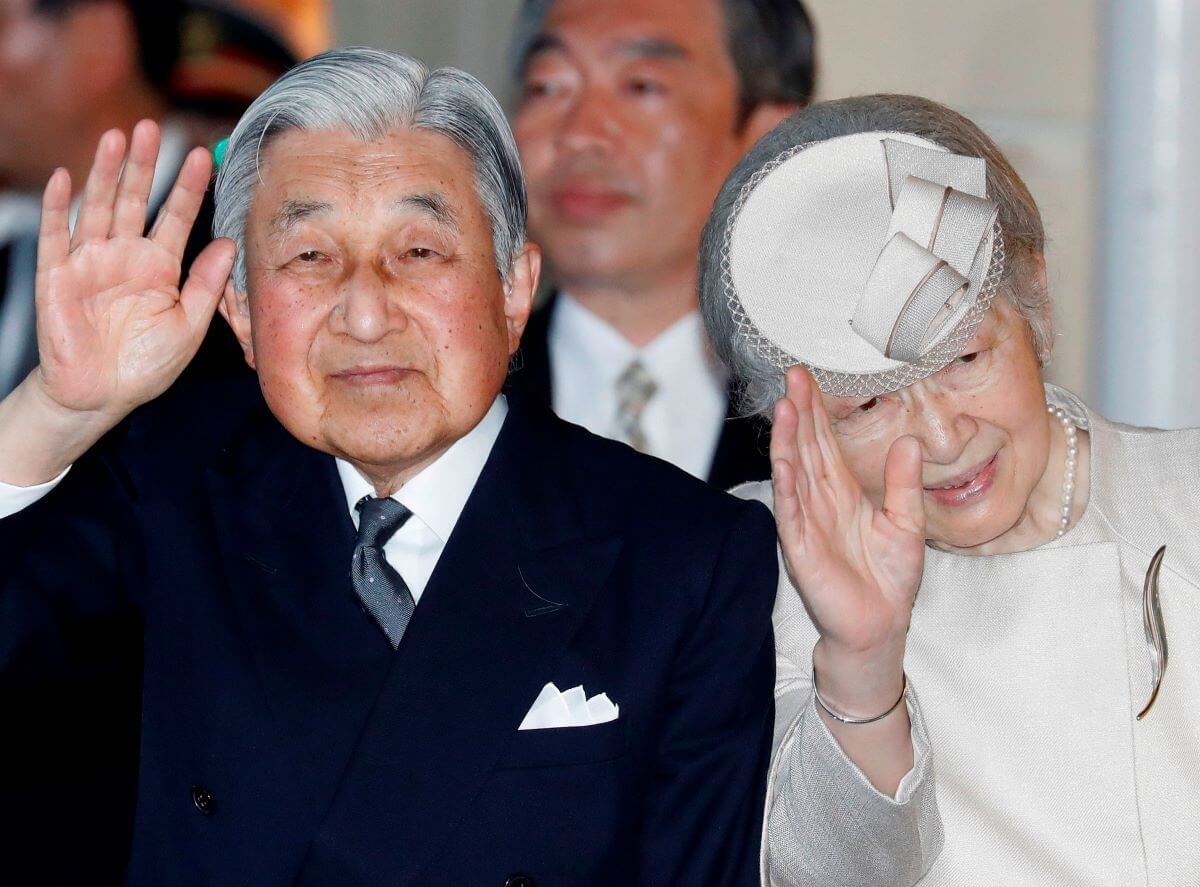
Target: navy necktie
(382,591)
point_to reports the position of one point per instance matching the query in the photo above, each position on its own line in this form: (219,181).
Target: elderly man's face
(985,440)
(627,127)
(376,318)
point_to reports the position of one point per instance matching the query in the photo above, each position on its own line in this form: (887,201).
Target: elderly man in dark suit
(394,631)
(631,113)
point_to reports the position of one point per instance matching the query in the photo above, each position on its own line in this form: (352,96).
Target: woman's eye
(968,358)
(868,405)
(310,255)
(420,252)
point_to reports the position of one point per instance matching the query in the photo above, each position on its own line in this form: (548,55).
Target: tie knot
(379,519)
(635,387)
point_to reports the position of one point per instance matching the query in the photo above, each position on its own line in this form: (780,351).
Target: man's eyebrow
(653,47)
(543,42)
(432,205)
(293,212)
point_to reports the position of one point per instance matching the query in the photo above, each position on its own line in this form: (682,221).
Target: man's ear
(764,118)
(520,290)
(235,308)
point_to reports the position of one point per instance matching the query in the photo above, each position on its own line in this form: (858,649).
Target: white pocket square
(572,708)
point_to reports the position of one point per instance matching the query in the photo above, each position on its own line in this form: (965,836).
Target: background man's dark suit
(741,453)
(282,738)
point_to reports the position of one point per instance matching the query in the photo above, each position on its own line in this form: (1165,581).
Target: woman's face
(984,434)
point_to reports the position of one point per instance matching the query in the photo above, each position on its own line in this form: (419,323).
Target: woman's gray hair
(371,93)
(760,384)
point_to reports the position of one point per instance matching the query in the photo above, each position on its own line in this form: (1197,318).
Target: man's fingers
(903,493)
(54,235)
(96,210)
(175,219)
(133,193)
(206,283)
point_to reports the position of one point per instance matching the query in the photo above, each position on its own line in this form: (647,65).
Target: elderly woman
(976,606)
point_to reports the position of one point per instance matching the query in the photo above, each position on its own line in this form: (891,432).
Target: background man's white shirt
(682,421)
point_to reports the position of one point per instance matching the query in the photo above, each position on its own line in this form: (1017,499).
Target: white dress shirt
(435,497)
(683,419)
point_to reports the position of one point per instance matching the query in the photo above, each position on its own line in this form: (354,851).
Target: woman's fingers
(175,219)
(206,282)
(96,210)
(903,492)
(789,508)
(54,235)
(800,392)
(133,193)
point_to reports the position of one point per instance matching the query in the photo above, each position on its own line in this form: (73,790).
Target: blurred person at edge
(71,70)
(631,113)
(982,572)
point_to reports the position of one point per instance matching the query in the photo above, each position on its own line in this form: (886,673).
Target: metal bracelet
(843,719)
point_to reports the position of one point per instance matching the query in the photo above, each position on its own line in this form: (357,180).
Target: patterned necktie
(382,591)
(634,390)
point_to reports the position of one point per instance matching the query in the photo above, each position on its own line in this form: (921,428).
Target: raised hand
(857,567)
(114,327)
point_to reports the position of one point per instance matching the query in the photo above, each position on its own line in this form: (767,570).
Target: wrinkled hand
(114,328)
(857,568)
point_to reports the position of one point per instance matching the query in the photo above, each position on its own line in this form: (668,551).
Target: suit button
(203,800)
(520,880)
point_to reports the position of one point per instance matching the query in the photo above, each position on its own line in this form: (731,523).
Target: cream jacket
(1026,672)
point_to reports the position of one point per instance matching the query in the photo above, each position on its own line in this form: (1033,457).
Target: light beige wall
(1025,70)
(468,34)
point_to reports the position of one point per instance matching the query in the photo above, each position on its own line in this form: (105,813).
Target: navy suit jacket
(741,453)
(283,741)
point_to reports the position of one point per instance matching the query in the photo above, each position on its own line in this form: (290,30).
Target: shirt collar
(438,494)
(681,351)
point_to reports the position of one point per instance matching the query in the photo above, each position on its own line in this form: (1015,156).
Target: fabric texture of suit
(1030,668)
(284,742)
(741,454)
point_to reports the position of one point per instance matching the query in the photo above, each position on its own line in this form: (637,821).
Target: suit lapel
(514,583)
(530,376)
(741,453)
(286,541)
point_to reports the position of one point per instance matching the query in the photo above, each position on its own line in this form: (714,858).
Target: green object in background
(218,153)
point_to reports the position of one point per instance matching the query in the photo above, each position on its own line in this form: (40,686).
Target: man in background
(72,69)
(631,114)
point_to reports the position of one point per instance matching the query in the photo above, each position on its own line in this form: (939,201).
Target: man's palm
(114,329)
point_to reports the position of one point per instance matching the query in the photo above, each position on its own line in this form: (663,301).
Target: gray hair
(760,384)
(371,93)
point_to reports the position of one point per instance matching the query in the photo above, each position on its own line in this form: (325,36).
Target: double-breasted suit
(283,741)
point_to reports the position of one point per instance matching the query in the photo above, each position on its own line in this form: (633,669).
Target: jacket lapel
(515,581)
(741,453)
(530,376)
(286,542)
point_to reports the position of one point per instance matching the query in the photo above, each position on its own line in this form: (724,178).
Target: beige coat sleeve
(825,824)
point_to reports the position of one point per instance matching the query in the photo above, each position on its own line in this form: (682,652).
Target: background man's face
(627,128)
(39,91)
(378,323)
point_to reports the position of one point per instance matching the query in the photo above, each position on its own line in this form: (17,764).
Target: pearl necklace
(1068,487)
